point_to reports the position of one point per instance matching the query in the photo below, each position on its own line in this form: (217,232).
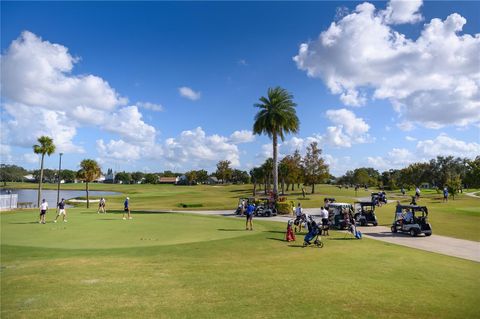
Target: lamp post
(59,178)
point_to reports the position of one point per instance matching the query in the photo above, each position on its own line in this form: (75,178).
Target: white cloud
(406,126)
(396,158)
(196,149)
(42,97)
(348,130)
(432,80)
(38,73)
(338,165)
(118,150)
(403,11)
(189,93)
(410,139)
(151,106)
(243,136)
(242,62)
(445,145)
(31,158)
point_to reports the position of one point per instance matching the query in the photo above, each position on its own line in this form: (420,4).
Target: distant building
(212,180)
(101,179)
(29,178)
(110,177)
(168,180)
(425,185)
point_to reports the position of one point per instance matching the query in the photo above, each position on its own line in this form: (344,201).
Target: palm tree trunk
(40,181)
(275,166)
(313,188)
(254,188)
(86,189)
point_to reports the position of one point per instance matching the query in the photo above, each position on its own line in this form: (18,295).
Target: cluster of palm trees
(89,169)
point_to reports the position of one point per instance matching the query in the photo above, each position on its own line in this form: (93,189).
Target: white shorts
(61,212)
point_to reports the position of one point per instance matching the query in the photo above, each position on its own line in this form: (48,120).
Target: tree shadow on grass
(343,238)
(233,229)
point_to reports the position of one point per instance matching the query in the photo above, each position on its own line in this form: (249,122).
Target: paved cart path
(460,248)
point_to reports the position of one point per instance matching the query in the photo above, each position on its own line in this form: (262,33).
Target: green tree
(267,168)
(123,177)
(316,171)
(151,178)
(67,175)
(283,171)
(472,176)
(47,147)
(454,184)
(191,177)
(11,173)
(277,117)
(137,177)
(89,171)
(224,172)
(256,175)
(202,176)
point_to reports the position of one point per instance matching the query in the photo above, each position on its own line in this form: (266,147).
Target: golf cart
(265,208)
(245,201)
(340,215)
(411,219)
(379,198)
(365,213)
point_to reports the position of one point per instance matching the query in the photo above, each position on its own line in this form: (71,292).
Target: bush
(285,208)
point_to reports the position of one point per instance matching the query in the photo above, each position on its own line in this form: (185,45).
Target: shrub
(285,208)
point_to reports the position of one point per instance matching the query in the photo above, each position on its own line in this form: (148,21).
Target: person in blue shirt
(249,214)
(126,208)
(61,211)
(445,194)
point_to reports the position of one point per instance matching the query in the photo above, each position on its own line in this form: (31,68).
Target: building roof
(168,179)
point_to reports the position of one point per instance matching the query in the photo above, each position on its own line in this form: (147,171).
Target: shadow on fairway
(345,238)
(277,239)
(296,246)
(25,223)
(274,231)
(234,229)
(109,219)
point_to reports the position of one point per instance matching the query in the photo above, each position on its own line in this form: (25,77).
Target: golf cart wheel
(413,232)
(393,229)
(375,224)
(363,222)
(428,234)
(305,244)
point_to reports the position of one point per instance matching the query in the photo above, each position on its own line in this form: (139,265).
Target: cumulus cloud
(348,130)
(118,150)
(403,11)
(432,80)
(43,97)
(194,148)
(188,93)
(150,106)
(445,146)
(243,136)
(396,158)
(410,138)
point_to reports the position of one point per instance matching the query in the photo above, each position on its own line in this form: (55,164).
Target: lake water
(30,195)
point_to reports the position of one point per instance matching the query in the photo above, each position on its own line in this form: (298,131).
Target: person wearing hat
(61,211)
(126,208)
(43,211)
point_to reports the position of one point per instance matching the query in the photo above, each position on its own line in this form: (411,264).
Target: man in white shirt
(43,211)
(324,215)
(299,217)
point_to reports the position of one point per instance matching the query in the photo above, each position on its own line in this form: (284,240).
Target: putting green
(86,230)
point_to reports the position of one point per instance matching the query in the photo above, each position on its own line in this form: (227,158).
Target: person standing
(101,206)
(445,194)
(403,191)
(417,192)
(43,211)
(249,215)
(299,218)
(126,208)
(61,211)
(324,215)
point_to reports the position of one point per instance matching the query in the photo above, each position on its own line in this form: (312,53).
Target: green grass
(458,218)
(185,266)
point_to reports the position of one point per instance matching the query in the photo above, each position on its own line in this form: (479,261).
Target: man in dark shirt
(61,211)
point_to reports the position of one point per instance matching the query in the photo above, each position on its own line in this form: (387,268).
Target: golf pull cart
(379,198)
(265,208)
(411,219)
(365,213)
(340,215)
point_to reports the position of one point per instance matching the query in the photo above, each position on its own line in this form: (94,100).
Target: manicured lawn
(458,218)
(186,266)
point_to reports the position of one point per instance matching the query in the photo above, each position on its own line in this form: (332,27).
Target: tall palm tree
(45,146)
(277,117)
(89,171)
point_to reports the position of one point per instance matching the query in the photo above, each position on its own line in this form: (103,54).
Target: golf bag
(290,236)
(355,232)
(312,230)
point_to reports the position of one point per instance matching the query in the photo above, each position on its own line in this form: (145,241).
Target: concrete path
(449,246)
(472,194)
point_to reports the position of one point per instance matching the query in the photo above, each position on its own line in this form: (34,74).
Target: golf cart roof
(415,208)
(366,203)
(339,205)
(329,199)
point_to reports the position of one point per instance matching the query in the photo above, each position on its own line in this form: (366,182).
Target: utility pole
(58,185)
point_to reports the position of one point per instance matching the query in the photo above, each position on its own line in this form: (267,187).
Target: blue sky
(104,80)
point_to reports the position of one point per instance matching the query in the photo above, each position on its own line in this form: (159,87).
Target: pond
(30,195)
